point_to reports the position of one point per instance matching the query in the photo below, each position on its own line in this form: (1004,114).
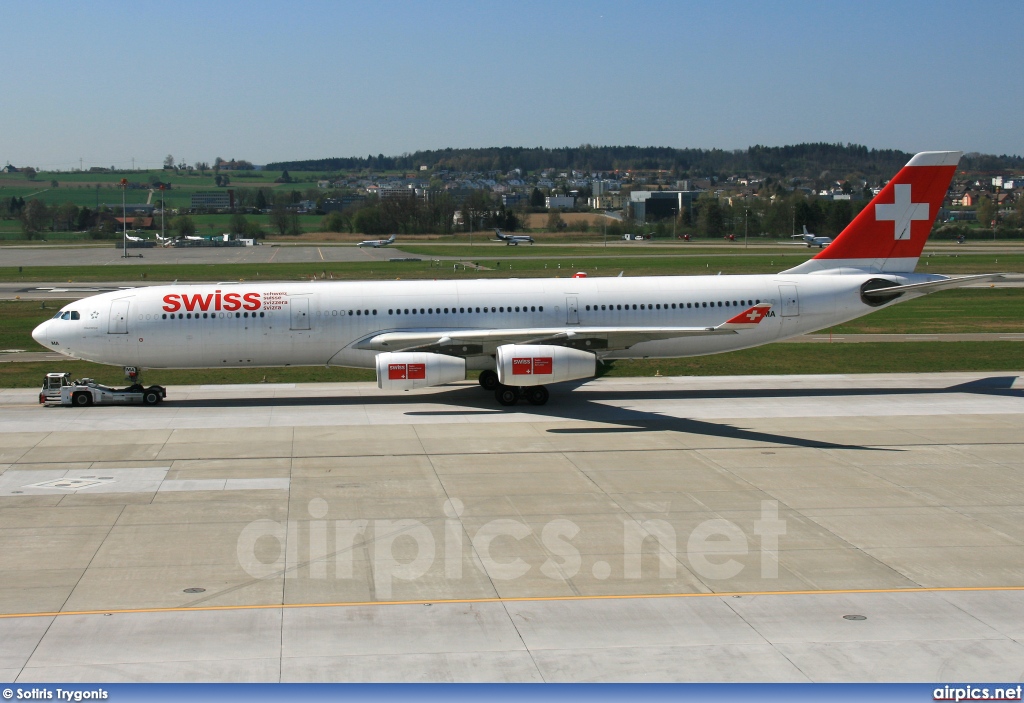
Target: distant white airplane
(513,239)
(195,239)
(813,239)
(130,238)
(377,243)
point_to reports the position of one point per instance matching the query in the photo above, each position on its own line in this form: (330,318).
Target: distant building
(391,190)
(132,209)
(559,202)
(648,205)
(136,222)
(213,200)
(510,200)
(607,202)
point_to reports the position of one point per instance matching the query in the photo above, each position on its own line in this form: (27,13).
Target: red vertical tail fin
(889,234)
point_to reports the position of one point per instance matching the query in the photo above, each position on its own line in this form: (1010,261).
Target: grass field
(615,248)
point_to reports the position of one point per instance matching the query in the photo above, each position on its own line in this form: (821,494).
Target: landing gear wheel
(537,395)
(489,380)
(506,395)
(81,400)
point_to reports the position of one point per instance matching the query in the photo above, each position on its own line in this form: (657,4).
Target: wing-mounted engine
(536,364)
(403,371)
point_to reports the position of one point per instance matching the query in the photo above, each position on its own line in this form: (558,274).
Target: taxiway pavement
(777,528)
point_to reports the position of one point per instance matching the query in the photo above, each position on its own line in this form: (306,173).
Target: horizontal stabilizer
(890,292)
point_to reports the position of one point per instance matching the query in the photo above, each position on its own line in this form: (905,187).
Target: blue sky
(266,81)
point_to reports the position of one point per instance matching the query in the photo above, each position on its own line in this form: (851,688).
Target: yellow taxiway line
(522,599)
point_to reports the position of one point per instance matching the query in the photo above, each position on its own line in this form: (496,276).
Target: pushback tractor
(60,389)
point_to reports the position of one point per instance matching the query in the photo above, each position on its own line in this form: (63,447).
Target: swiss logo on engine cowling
(410,372)
(531,366)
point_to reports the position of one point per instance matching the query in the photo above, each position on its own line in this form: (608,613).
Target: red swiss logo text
(204,302)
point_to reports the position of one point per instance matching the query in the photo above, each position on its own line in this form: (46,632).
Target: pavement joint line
(521,599)
(15,465)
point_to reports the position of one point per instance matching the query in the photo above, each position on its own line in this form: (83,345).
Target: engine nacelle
(403,371)
(537,364)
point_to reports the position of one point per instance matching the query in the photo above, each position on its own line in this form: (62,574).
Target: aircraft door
(118,322)
(790,301)
(572,311)
(299,311)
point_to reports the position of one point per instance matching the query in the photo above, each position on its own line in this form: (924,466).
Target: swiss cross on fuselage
(754,315)
(902,212)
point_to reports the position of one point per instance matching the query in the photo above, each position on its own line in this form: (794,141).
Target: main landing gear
(510,395)
(489,380)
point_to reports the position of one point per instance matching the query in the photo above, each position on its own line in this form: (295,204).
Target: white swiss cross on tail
(903,211)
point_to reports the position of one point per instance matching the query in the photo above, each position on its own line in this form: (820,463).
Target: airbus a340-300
(525,333)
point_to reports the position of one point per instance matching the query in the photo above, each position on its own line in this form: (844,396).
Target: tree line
(798,160)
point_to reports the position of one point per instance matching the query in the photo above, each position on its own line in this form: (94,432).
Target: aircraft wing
(461,342)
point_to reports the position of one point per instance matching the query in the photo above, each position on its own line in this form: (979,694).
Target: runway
(774,528)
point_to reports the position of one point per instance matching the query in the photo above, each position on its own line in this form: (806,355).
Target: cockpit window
(68,315)
(65,316)
(56,316)
(75,315)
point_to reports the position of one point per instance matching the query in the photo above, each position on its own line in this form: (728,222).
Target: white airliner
(514,239)
(522,333)
(377,243)
(813,239)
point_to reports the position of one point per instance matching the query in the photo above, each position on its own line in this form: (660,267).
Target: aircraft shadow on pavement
(595,405)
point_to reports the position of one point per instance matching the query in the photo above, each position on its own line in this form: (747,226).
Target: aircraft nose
(39,334)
